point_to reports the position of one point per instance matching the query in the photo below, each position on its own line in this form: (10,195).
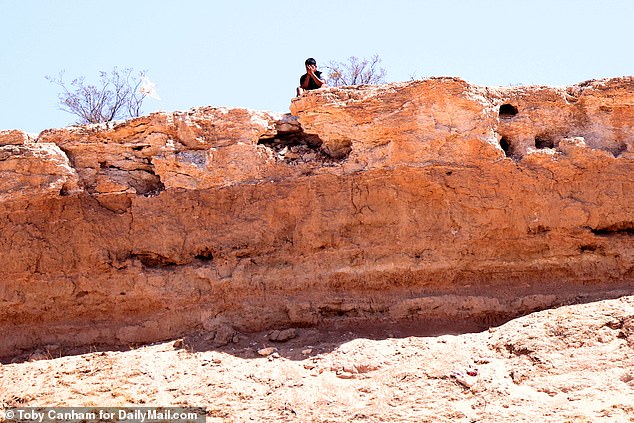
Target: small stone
(265,352)
(462,379)
(349,369)
(223,333)
(286,127)
(38,355)
(179,343)
(344,375)
(627,377)
(282,335)
(307,351)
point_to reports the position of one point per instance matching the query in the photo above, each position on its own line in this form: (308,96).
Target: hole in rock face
(507,110)
(510,148)
(300,147)
(146,183)
(543,141)
(621,228)
(153,260)
(291,138)
(618,150)
(506,146)
(204,255)
(65,190)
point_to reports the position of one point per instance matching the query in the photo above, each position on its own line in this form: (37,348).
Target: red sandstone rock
(13,137)
(32,172)
(431,199)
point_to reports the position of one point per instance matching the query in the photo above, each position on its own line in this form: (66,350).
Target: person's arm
(311,74)
(304,84)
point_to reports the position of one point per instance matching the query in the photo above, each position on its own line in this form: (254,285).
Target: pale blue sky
(251,53)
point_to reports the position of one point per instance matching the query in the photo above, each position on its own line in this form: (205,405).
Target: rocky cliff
(433,199)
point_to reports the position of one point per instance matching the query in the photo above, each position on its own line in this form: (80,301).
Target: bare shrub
(356,71)
(118,95)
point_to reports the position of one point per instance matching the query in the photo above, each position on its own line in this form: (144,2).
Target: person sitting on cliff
(312,79)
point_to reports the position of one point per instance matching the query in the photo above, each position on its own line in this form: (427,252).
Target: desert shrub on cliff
(356,71)
(118,95)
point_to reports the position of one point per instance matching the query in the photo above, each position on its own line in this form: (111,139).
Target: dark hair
(310,61)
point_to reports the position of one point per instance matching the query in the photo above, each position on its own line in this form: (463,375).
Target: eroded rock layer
(420,200)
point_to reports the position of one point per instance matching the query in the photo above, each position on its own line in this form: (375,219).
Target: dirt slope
(569,364)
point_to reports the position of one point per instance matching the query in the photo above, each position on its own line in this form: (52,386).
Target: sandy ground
(570,364)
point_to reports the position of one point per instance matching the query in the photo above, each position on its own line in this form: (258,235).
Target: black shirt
(312,85)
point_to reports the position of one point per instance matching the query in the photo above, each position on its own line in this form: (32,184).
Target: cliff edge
(432,199)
